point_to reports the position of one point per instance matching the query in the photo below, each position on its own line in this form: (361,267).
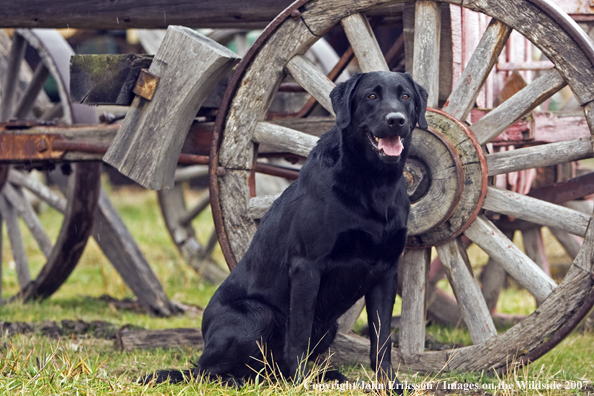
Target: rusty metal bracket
(29,147)
(146,84)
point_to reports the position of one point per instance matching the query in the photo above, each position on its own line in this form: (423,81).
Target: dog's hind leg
(235,339)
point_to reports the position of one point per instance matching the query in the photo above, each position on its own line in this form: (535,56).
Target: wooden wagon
(451,203)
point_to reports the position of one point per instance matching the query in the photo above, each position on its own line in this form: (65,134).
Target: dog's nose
(395,119)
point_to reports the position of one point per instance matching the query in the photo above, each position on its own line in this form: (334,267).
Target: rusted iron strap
(568,190)
(24,147)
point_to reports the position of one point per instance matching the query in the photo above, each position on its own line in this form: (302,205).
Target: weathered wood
(535,249)
(347,321)
(312,80)
(119,247)
(511,258)
(445,173)
(178,221)
(468,294)
(468,87)
(31,93)
(110,79)
(415,269)
(105,79)
(362,39)
(528,19)
(539,156)
(492,280)
(535,211)
(239,226)
(284,139)
(156,14)
(442,308)
(314,126)
(258,88)
(151,137)
(506,114)
(426,50)
(11,76)
(39,189)
(191,172)
(16,241)
(258,206)
(27,213)
(568,241)
(128,340)
(473,182)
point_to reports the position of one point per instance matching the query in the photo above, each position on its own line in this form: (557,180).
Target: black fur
(334,236)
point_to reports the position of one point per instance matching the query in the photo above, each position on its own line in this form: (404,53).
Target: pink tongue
(391,145)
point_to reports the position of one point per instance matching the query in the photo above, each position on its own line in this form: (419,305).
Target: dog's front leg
(305,282)
(380,303)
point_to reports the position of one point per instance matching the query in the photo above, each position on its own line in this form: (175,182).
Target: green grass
(35,364)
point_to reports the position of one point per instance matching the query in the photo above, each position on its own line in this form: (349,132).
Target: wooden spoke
(259,205)
(534,247)
(312,80)
(506,114)
(56,111)
(464,95)
(25,210)
(16,242)
(187,218)
(426,50)
(415,270)
(539,156)
(492,280)
(40,190)
(568,241)
(489,238)
(365,46)
(284,139)
(31,92)
(11,78)
(536,211)
(468,293)
(190,172)
(347,321)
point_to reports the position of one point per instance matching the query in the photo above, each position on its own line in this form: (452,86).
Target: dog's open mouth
(391,146)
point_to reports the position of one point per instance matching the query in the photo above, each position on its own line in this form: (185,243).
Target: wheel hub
(446,180)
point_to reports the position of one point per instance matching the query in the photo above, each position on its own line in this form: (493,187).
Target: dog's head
(382,109)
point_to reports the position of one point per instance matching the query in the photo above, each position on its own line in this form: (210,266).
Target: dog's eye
(405,96)
(372,96)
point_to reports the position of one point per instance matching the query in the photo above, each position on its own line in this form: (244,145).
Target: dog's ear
(420,102)
(341,97)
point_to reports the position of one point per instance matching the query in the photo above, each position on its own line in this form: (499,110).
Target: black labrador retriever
(333,236)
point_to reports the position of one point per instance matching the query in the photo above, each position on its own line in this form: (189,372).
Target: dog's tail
(173,376)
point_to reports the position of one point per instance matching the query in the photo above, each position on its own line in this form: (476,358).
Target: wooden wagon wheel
(23,98)
(240,126)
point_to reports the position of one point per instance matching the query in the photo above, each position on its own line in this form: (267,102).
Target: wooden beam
(149,141)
